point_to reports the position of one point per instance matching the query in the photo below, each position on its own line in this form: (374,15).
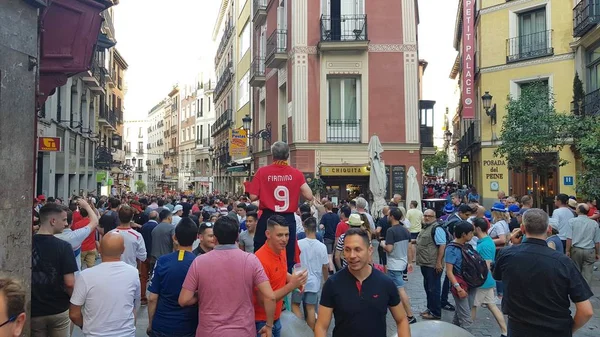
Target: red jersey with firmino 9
(277,187)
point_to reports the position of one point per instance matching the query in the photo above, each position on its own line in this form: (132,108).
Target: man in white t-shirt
(106,298)
(313,256)
(135,247)
(76,237)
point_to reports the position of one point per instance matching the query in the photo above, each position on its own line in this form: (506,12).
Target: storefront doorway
(346,188)
(541,185)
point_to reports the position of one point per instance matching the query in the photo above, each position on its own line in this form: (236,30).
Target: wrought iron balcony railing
(224,80)
(343,130)
(222,122)
(227,33)
(344,28)
(586,15)
(276,43)
(529,46)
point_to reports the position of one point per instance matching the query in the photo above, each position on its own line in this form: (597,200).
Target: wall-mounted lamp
(490,110)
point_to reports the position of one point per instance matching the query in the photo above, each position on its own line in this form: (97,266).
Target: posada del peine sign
(468,60)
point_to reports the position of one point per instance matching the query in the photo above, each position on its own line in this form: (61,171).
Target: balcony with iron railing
(222,122)
(586,15)
(227,33)
(590,105)
(107,117)
(94,77)
(257,72)
(343,130)
(276,51)
(260,12)
(119,115)
(529,46)
(470,139)
(344,32)
(224,79)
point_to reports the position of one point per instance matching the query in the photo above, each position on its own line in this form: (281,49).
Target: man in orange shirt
(272,256)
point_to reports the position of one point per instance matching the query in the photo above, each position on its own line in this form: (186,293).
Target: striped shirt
(135,248)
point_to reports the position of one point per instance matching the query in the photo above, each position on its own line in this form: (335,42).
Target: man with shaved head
(98,306)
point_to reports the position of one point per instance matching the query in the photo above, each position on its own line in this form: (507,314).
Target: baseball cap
(499,207)
(514,208)
(41,197)
(177,209)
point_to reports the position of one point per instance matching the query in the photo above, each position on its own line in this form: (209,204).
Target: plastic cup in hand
(299,269)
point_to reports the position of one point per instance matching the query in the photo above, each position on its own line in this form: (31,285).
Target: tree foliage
(533,128)
(587,145)
(439,161)
(140,186)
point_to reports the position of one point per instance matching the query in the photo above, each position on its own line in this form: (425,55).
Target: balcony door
(343,122)
(533,35)
(343,18)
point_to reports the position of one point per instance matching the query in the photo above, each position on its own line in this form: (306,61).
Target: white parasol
(413,191)
(377,178)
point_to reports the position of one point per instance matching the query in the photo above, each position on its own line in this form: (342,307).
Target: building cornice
(119,58)
(221,15)
(544,60)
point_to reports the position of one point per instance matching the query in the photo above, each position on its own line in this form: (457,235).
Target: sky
(436,39)
(169,44)
(164,43)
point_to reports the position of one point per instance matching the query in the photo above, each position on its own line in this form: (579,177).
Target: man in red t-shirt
(278,187)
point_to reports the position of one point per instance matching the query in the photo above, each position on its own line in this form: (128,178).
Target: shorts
(329,244)
(397,278)
(413,236)
(484,296)
(306,297)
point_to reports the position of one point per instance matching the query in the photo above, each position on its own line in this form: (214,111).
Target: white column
(411,69)
(299,82)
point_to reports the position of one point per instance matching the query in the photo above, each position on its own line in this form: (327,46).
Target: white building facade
(205,117)
(156,145)
(136,155)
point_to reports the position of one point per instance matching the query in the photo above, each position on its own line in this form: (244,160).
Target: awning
(238,168)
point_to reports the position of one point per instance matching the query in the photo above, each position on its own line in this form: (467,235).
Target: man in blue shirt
(485,294)
(147,266)
(329,223)
(165,316)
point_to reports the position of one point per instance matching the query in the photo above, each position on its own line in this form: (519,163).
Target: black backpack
(474,269)
(445,229)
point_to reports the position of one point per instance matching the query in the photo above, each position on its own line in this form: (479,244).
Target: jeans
(445,291)
(276,328)
(432,285)
(499,288)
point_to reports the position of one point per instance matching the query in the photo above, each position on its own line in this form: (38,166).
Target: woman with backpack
(462,293)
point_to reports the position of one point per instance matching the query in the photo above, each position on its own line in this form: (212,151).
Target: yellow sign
(238,143)
(345,171)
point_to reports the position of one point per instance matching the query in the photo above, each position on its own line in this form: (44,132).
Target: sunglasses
(10,320)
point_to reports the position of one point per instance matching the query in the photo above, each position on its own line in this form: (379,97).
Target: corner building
(329,74)
(515,43)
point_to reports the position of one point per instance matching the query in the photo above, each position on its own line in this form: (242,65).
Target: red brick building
(329,74)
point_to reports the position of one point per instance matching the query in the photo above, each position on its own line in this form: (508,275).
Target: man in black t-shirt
(110,220)
(52,274)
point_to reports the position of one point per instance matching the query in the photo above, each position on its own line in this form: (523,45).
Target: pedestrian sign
(568,180)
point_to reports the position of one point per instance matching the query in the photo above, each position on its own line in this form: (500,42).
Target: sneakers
(412,320)
(405,277)
(429,316)
(448,307)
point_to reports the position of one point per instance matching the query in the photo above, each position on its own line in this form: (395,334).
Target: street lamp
(448,136)
(489,109)
(264,134)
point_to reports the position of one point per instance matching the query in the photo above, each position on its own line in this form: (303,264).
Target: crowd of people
(223,266)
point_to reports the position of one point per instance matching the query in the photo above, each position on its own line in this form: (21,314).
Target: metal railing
(259,5)
(227,33)
(119,115)
(585,16)
(224,80)
(222,122)
(529,46)
(470,138)
(590,105)
(276,43)
(344,28)
(108,115)
(258,67)
(343,130)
